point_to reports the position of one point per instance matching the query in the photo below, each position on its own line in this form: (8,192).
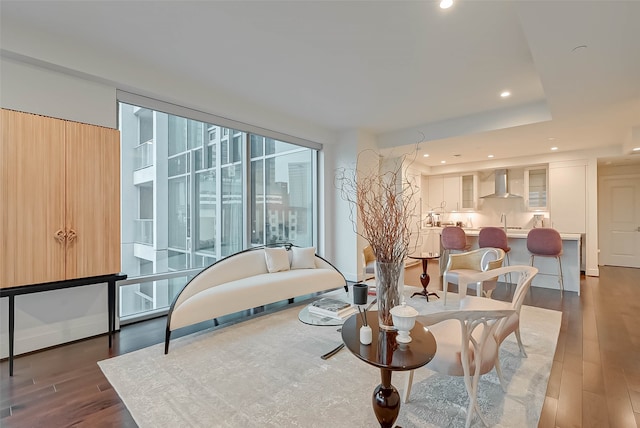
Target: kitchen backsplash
(491,213)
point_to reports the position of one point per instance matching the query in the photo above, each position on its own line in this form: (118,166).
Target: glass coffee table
(312,319)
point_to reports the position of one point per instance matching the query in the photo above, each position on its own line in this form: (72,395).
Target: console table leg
(111,298)
(386,401)
(11,331)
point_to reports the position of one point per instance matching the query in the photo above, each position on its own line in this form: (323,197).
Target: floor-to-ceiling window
(196,192)
(281,192)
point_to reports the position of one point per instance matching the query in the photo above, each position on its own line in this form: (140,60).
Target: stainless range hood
(501,186)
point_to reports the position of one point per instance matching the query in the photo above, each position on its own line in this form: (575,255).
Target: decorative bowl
(404,318)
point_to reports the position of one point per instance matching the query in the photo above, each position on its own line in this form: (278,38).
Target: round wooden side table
(388,355)
(424,277)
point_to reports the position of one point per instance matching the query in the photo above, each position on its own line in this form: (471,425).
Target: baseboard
(44,336)
(593,272)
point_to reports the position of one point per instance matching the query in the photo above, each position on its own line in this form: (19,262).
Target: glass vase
(388,291)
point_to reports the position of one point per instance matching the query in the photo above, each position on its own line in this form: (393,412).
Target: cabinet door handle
(71,236)
(60,236)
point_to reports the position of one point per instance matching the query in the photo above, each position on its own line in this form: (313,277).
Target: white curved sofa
(242,281)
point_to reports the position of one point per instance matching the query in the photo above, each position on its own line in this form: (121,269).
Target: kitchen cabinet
(568,200)
(536,188)
(436,192)
(452,192)
(60,191)
(431,240)
(469,192)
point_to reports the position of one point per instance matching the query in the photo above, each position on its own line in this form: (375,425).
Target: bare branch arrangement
(384,202)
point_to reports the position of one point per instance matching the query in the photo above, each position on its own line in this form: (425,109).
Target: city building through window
(194,193)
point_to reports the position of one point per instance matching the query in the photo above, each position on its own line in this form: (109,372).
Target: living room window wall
(201,193)
(281,192)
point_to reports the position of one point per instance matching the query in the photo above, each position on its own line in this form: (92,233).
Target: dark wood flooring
(594,382)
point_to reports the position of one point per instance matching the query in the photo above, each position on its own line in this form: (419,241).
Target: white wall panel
(37,90)
(568,196)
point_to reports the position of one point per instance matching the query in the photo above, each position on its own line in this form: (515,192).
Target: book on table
(333,308)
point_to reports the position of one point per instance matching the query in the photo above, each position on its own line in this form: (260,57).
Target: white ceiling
(404,70)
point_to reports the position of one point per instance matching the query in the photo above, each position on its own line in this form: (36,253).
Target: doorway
(619,219)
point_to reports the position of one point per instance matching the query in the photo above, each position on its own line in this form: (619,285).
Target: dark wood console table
(388,355)
(12,292)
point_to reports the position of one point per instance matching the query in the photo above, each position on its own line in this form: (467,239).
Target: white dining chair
(512,324)
(466,346)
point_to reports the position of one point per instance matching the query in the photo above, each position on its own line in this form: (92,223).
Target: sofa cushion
(277,259)
(303,258)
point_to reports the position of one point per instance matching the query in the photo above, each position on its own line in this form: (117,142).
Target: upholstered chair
(546,242)
(470,262)
(453,238)
(466,346)
(495,237)
(369,262)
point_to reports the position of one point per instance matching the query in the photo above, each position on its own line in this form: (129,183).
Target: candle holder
(360,296)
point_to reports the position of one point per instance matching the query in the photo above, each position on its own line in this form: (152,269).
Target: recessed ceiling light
(443,161)
(505,94)
(446,4)
(554,148)
(426,155)
(636,149)
(490,156)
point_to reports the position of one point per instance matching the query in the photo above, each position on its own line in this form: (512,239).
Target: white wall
(632,140)
(342,242)
(36,90)
(80,59)
(590,247)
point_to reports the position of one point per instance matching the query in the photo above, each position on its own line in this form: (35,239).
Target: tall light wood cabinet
(60,192)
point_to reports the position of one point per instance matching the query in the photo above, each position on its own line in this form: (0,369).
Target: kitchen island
(548,266)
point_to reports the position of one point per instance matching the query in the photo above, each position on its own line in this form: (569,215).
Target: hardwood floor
(594,381)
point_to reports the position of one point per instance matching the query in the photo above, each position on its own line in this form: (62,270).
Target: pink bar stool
(495,237)
(546,242)
(453,238)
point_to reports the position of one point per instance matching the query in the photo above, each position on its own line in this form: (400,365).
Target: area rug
(266,371)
